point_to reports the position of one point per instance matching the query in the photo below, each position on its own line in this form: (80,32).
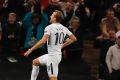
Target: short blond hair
(59,16)
(12,14)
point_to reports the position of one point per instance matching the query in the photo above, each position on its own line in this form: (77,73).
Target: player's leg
(53,78)
(35,64)
(52,66)
(35,69)
(53,71)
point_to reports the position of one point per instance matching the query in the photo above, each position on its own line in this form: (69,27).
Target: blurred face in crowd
(69,6)
(35,19)
(75,24)
(12,18)
(110,14)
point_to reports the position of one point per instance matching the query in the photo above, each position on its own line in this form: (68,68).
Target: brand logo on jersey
(45,31)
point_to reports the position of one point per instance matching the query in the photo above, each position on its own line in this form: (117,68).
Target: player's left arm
(69,40)
(37,45)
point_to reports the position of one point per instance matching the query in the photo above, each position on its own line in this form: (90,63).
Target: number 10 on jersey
(59,38)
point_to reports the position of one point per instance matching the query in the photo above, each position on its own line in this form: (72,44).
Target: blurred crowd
(22,24)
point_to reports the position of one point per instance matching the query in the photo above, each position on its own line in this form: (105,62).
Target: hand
(28,52)
(110,71)
(10,36)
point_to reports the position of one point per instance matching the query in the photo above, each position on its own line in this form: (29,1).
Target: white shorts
(52,62)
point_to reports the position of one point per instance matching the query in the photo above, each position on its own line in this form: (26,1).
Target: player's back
(56,38)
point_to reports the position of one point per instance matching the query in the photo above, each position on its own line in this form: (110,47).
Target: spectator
(116,8)
(108,25)
(34,22)
(10,37)
(2,9)
(110,22)
(83,12)
(1,4)
(113,60)
(97,10)
(14,6)
(68,12)
(74,51)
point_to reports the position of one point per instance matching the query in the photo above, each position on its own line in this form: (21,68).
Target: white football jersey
(57,33)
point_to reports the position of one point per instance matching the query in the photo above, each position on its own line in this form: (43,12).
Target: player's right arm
(40,42)
(37,45)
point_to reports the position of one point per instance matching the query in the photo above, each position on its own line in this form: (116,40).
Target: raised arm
(44,21)
(37,45)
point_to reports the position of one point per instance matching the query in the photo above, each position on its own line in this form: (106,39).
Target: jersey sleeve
(47,30)
(68,32)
